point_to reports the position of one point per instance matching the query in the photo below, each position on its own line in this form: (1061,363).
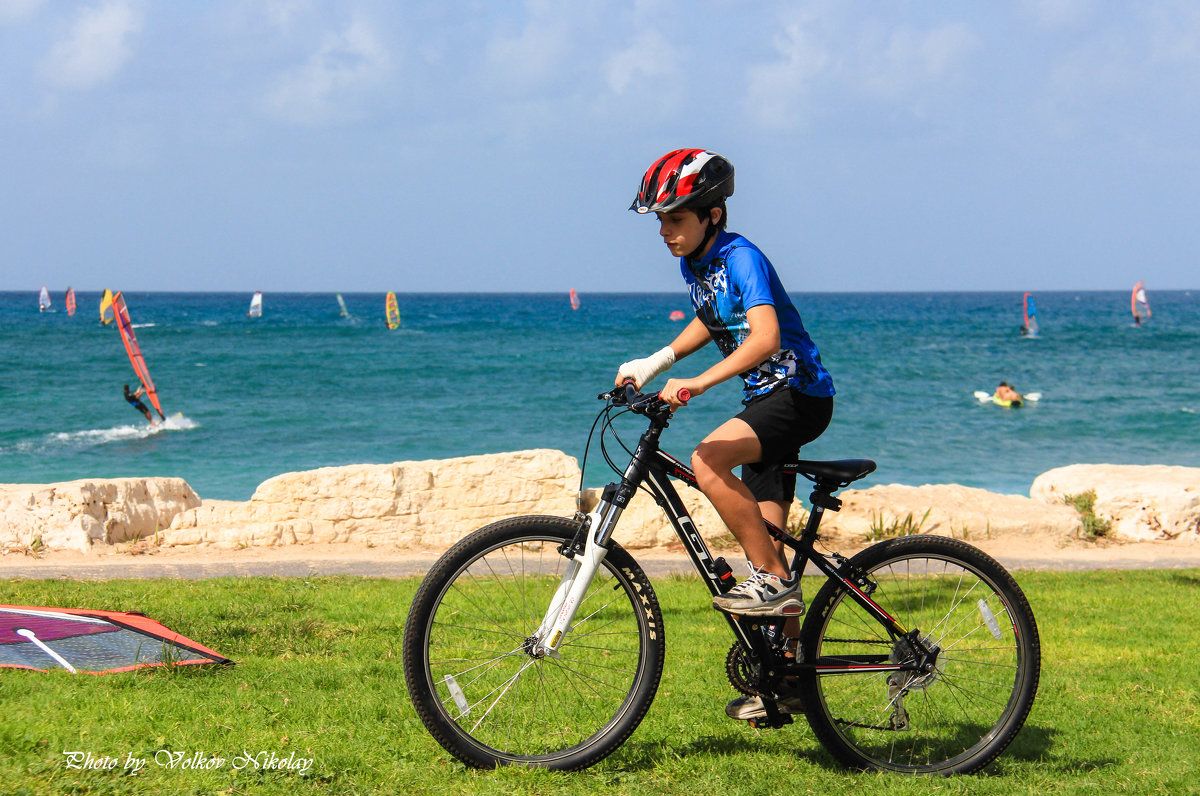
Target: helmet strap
(710,231)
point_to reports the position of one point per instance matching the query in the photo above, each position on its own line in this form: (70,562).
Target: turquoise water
(302,388)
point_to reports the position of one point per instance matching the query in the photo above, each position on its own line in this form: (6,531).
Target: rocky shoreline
(425,506)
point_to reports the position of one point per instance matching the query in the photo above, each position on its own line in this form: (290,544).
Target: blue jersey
(733,278)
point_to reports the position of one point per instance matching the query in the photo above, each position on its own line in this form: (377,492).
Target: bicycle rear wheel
(467,660)
(953,718)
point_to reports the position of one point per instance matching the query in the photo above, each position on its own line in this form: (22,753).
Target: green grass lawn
(319,678)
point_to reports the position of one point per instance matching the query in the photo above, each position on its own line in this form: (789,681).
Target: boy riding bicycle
(741,304)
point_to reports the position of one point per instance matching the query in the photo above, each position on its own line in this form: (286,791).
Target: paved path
(401,565)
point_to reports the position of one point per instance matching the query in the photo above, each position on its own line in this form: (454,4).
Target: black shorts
(783,421)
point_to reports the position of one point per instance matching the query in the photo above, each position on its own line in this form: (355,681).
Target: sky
(363,145)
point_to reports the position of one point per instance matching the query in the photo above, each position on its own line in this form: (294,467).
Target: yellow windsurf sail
(135,351)
(106,308)
(393,311)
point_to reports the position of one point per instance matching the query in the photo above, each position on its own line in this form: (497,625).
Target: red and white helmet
(684,178)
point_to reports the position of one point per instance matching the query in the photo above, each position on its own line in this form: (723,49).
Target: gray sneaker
(751,707)
(762,594)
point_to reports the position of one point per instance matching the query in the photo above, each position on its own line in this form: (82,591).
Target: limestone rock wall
(945,510)
(941,509)
(421,504)
(74,515)
(1142,502)
(432,504)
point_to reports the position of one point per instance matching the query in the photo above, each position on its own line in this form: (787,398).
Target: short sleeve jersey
(734,278)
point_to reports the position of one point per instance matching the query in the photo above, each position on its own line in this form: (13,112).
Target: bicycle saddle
(843,471)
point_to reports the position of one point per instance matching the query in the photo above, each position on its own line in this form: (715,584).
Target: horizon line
(35,291)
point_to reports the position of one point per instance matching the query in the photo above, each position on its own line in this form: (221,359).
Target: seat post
(822,496)
(821,499)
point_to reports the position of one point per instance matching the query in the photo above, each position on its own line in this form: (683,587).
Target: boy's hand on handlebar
(645,369)
(677,392)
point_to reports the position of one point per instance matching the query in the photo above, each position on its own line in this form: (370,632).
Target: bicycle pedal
(766,724)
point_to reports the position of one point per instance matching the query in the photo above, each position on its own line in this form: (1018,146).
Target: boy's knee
(707,463)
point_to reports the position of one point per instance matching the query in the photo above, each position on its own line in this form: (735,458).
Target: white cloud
(1173,33)
(1058,14)
(96,47)
(18,10)
(1098,68)
(911,59)
(826,63)
(532,59)
(648,57)
(778,92)
(345,66)
(281,13)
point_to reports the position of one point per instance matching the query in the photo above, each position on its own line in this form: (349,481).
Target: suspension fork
(586,559)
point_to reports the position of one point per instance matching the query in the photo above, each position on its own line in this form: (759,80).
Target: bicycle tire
(471,618)
(953,720)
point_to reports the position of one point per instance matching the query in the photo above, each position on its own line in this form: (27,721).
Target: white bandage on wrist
(644,370)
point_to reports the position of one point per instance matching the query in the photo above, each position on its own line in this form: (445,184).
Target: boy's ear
(714,215)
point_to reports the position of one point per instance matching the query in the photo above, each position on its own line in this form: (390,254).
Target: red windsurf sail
(92,642)
(135,351)
(1138,303)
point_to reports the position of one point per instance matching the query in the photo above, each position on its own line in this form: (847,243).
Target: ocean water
(302,388)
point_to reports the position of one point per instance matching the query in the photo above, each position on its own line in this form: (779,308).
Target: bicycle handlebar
(642,403)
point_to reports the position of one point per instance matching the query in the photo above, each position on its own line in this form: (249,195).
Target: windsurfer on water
(135,401)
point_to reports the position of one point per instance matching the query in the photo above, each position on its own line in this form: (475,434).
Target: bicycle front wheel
(482,693)
(975,692)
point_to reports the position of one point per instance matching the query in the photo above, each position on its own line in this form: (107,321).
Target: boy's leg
(776,513)
(731,445)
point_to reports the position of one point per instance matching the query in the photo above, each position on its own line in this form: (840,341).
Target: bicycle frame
(652,468)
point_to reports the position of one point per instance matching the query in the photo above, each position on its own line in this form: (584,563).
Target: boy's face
(682,231)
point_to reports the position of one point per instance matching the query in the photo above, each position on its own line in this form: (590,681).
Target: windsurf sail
(1031,322)
(70,300)
(135,351)
(43,299)
(574,299)
(93,642)
(106,308)
(255,305)
(1138,303)
(345,313)
(392,310)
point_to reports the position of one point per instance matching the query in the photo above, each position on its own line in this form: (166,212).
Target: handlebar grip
(684,395)
(631,392)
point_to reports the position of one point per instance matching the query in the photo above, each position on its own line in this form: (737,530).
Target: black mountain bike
(539,641)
